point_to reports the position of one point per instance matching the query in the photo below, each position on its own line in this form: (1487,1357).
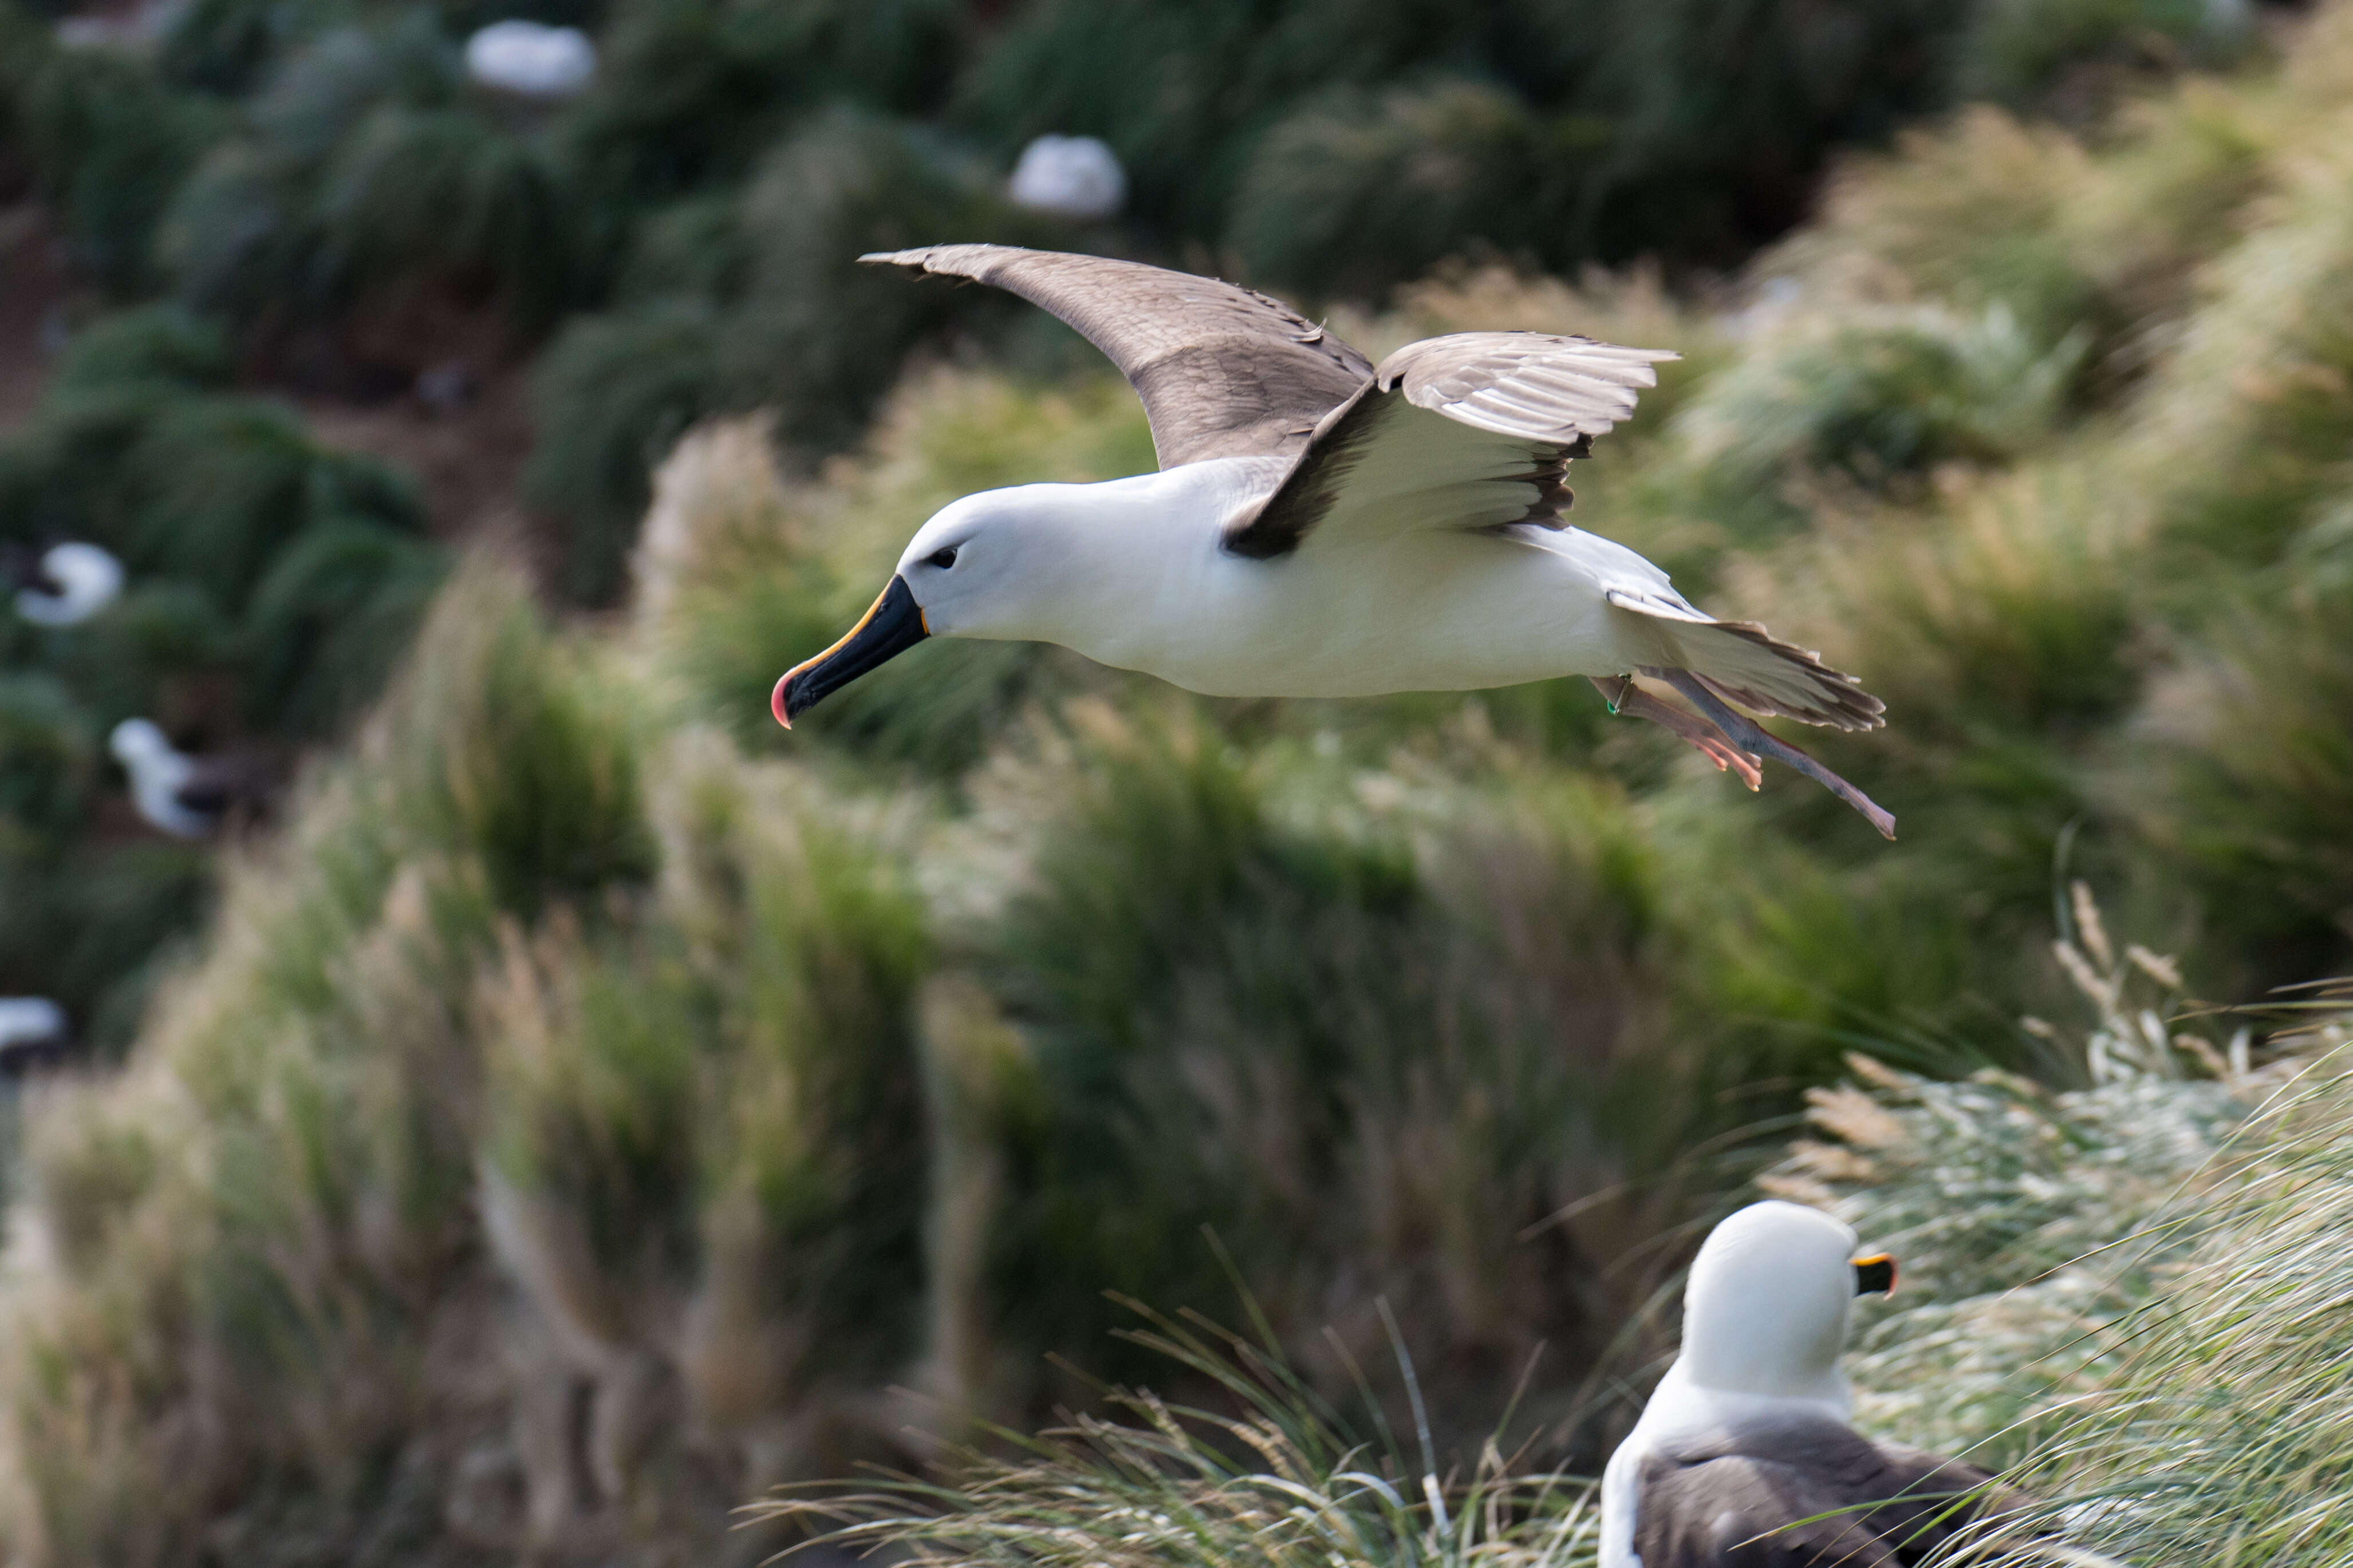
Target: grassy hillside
(252,200)
(595,1102)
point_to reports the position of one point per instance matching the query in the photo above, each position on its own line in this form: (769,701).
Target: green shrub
(689,92)
(2250,788)
(613,392)
(1875,398)
(814,335)
(109,144)
(49,756)
(228,45)
(1350,1027)
(153,345)
(369,172)
(1363,191)
(2022,51)
(334,611)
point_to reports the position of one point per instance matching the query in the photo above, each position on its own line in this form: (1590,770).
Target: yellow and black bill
(890,628)
(1874,1274)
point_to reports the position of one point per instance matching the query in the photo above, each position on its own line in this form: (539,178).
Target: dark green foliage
(2024,52)
(1220,74)
(226,46)
(272,585)
(334,611)
(690,91)
(47,755)
(613,392)
(1236,1003)
(1363,188)
(1879,398)
(822,337)
(1724,110)
(519,765)
(371,171)
(2255,789)
(160,346)
(109,144)
(807,331)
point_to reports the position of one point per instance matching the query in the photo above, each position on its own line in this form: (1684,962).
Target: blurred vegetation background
(582,1105)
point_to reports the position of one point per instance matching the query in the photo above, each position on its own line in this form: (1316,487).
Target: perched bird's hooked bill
(1320,526)
(1744,1455)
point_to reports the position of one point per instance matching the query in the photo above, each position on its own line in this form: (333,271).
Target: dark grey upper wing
(1463,431)
(1806,1494)
(218,782)
(1224,370)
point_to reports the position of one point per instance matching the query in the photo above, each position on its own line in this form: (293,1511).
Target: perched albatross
(69,584)
(187,797)
(1323,527)
(1744,1455)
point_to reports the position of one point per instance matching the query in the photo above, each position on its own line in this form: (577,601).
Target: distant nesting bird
(31,1034)
(69,584)
(532,59)
(1744,1455)
(187,797)
(1070,176)
(1322,527)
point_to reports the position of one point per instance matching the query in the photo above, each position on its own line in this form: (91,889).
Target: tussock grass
(584,1111)
(1286,1480)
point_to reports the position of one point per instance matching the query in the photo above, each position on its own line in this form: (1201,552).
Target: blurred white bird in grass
(532,59)
(68,584)
(1069,176)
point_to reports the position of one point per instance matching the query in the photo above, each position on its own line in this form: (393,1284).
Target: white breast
(1439,611)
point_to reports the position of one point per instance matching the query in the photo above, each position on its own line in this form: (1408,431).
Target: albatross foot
(1624,696)
(1747,734)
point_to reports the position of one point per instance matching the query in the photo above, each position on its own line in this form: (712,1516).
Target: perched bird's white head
(1022,564)
(138,742)
(1766,1308)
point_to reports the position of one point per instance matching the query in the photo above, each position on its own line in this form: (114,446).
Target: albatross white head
(1032,562)
(1765,1312)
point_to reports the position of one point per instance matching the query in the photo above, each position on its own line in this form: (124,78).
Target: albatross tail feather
(1744,733)
(1744,663)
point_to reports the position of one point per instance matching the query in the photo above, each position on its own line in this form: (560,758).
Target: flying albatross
(1744,1455)
(1323,527)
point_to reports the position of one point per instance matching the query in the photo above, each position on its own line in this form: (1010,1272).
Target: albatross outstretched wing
(1470,430)
(1224,370)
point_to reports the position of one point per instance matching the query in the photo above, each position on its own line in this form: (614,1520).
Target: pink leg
(1711,742)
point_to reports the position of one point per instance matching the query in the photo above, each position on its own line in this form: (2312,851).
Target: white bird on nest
(69,583)
(187,797)
(31,1034)
(532,59)
(1322,527)
(1744,1454)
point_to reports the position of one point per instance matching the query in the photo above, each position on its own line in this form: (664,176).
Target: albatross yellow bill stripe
(893,624)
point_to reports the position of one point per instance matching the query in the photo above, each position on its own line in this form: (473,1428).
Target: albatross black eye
(943,559)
